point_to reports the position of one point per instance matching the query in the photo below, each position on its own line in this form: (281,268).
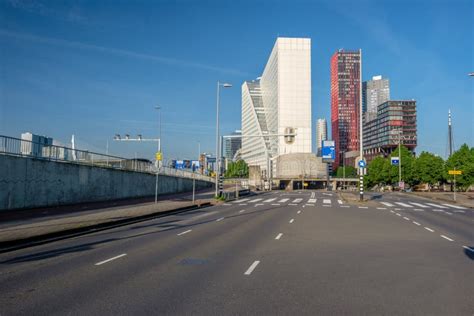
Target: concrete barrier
(30,182)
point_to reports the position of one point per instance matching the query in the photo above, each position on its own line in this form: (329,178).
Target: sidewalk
(34,229)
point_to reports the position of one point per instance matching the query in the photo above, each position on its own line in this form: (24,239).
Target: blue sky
(96,68)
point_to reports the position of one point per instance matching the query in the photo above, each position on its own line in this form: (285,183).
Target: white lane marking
(416,223)
(387,204)
(339,201)
(447,238)
(459,211)
(344,206)
(429,229)
(363,207)
(241,211)
(403,204)
(448,213)
(309,204)
(418,210)
(242,200)
(327,201)
(392,211)
(185,232)
(436,205)
(312,201)
(292,220)
(455,206)
(325,205)
(398,209)
(275,204)
(381,208)
(406,218)
(252,267)
(468,248)
(398,214)
(227,204)
(108,260)
(297,200)
(278,236)
(242,204)
(269,200)
(292,204)
(298,212)
(419,205)
(329,194)
(219,219)
(258,204)
(255,200)
(283,200)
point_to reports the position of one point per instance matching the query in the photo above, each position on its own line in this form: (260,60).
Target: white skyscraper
(278,102)
(374,93)
(321,133)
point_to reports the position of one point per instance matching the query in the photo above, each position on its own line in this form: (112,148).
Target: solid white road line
(219,219)
(403,204)
(406,218)
(429,229)
(252,267)
(419,205)
(455,206)
(283,200)
(339,201)
(292,220)
(387,204)
(185,232)
(255,200)
(108,260)
(269,200)
(278,236)
(436,205)
(447,238)
(416,223)
(241,211)
(468,248)
(381,208)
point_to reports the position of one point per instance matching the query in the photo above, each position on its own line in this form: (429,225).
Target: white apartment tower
(374,93)
(278,102)
(321,133)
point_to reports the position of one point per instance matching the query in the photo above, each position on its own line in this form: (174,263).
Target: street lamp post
(218,171)
(158,108)
(361,148)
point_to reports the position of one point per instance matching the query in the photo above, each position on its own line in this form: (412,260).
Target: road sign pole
(454,191)
(361,184)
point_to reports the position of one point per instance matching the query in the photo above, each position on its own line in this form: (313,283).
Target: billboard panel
(328,151)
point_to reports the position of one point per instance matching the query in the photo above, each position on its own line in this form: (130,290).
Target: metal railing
(25,148)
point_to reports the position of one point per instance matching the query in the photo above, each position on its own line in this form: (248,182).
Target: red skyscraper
(345,102)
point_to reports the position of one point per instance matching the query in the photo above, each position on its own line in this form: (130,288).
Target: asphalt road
(272,254)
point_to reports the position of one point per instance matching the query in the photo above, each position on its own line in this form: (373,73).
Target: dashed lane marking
(292,220)
(406,218)
(252,267)
(418,210)
(219,219)
(429,229)
(243,204)
(298,212)
(258,204)
(276,204)
(292,204)
(419,205)
(381,208)
(363,207)
(345,206)
(108,260)
(278,236)
(241,211)
(398,214)
(416,223)
(185,232)
(309,204)
(446,237)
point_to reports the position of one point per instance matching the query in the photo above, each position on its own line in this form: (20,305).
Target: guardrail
(25,148)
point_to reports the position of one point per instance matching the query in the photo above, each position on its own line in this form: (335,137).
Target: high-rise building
(395,121)
(279,102)
(232,145)
(374,93)
(321,134)
(34,145)
(345,102)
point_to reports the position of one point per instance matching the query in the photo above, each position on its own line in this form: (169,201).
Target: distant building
(345,103)
(374,93)
(382,134)
(321,134)
(279,102)
(232,145)
(34,145)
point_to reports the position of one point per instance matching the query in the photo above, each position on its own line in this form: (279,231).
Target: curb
(8,246)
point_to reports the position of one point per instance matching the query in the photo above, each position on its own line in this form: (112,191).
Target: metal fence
(25,148)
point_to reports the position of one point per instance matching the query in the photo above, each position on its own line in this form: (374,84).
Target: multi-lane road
(281,253)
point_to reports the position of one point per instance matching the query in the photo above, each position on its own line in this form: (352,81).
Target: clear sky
(96,68)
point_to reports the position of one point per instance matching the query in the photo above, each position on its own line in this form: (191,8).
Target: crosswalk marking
(436,205)
(455,206)
(269,200)
(240,201)
(327,201)
(297,200)
(255,200)
(387,204)
(403,204)
(419,205)
(283,200)
(312,201)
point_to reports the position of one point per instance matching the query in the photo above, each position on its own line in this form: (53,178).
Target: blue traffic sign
(362,163)
(395,161)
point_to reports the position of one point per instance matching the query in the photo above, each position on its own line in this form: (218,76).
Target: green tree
(377,172)
(428,169)
(351,172)
(238,169)
(462,159)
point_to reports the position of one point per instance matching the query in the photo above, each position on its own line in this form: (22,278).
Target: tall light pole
(218,170)
(361,144)
(158,108)
(400,157)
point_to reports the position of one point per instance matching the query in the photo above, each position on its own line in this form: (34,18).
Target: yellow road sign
(456,172)
(158,156)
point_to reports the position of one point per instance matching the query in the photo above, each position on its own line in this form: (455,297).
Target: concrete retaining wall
(28,183)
